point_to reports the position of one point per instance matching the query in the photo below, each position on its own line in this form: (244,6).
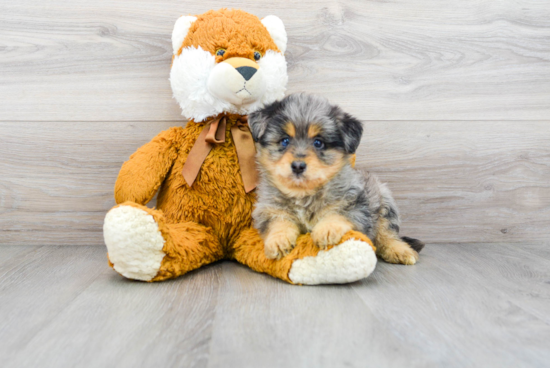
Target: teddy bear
(226,64)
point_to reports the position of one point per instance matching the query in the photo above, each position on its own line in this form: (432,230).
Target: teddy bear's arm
(141,176)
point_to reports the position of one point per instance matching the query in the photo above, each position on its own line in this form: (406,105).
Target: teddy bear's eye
(257,55)
(220,52)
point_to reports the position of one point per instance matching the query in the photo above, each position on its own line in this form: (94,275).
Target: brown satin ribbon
(214,133)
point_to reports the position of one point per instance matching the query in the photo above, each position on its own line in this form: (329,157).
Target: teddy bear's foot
(142,245)
(134,242)
(350,261)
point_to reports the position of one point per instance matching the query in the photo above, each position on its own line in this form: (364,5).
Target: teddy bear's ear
(180,31)
(276,29)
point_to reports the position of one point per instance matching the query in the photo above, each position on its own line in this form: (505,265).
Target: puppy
(305,150)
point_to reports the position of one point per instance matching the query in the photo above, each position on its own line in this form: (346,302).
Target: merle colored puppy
(306,150)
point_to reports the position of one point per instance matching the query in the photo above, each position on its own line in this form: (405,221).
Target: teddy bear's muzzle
(237,80)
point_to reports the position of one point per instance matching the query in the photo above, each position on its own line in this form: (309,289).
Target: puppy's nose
(298,167)
(246,71)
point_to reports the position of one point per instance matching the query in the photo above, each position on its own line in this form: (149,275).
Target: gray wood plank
(57,180)
(36,286)
(464,181)
(10,252)
(460,306)
(264,322)
(116,322)
(522,272)
(453,307)
(453,181)
(109,60)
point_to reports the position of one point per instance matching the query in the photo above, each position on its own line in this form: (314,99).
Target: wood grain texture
(464,181)
(117,322)
(287,326)
(453,181)
(57,179)
(521,271)
(468,305)
(462,312)
(36,286)
(11,252)
(424,60)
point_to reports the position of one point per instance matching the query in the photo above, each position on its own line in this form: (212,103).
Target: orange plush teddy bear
(226,64)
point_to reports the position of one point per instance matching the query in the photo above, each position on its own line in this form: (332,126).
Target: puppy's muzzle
(298,167)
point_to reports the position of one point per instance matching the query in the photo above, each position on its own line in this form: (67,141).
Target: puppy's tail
(415,244)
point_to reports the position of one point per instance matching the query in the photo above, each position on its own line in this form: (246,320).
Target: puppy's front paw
(278,244)
(398,252)
(329,233)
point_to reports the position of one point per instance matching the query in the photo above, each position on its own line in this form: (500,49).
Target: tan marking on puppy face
(313,131)
(317,173)
(290,129)
(277,168)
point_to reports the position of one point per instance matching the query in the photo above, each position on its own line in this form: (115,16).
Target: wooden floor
(468,305)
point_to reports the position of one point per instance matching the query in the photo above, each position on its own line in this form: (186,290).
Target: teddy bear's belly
(216,199)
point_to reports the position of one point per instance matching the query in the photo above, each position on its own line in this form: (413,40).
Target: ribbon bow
(214,133)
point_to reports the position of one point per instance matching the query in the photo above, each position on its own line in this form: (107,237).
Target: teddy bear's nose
(246,71)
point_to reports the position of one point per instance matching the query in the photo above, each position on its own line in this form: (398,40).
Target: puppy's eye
(318,144)
(284,142)
(220,52)
(257,55)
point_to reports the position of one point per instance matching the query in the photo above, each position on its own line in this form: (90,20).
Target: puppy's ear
(258,121)
(350,127)
(352,130)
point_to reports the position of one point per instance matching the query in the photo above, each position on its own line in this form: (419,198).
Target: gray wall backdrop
(455,97)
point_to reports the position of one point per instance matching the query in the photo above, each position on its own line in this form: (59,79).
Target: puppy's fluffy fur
(305,146)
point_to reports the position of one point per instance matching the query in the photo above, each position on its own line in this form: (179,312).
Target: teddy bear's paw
(134,242)
(279,244)
(348,262)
